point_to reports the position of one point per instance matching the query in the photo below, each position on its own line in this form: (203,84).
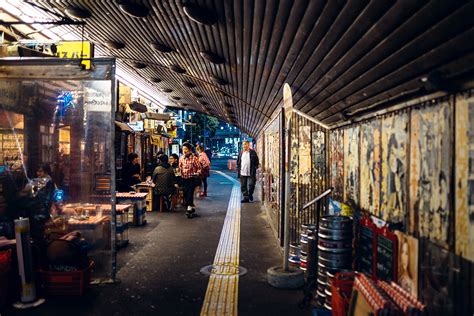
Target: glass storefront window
(56,127)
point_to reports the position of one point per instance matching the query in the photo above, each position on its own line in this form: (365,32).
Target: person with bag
(164,180)
(205,169)
(190,176)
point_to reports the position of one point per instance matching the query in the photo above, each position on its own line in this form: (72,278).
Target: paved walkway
(160,269)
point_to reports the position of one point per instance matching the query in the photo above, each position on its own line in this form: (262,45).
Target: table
(145,187)
(137,217)
(96,220)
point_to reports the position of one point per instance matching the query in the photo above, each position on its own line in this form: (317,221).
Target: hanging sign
(97,96)
(76,50)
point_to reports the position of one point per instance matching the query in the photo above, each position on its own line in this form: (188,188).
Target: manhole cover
(224,269)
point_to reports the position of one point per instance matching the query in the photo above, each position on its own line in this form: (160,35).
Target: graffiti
(430,166)
(464,177)
(351,165)
(394,167)
(336,156)
(370,166)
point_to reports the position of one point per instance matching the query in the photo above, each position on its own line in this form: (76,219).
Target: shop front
(57,152)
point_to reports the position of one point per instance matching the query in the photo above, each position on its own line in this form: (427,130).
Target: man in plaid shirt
(190,170)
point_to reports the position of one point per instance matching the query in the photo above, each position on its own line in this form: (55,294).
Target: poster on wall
(430,172)
(370,166)
(351,165)
(437,279)
(304,155)
(336,157)
(394,167)
(319,160)
(407,262)
(464,177)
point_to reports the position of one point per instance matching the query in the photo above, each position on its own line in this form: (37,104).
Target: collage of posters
(370,166)
(430,170)
(304,155)
(319,160)
(336,157)
(394,167)
(351,165)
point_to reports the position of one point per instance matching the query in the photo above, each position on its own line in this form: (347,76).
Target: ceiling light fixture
(133,9)
(161,47)
(138,65)
(212,57)
(188,84)
(177,69)
(218,80)
(166,90)
(199,14)
(114,44)
(155,80)
(196,95)
(78,13)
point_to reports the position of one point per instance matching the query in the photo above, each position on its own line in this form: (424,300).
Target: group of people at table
(173,174)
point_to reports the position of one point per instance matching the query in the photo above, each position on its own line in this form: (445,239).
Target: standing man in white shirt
(247,165)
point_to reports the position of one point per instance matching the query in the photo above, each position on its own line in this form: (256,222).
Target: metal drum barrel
(334,254)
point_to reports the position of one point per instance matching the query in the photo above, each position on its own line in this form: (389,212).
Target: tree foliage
(203,122)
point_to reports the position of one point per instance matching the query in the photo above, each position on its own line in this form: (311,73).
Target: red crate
(5,264)
(341,289)
(65,283)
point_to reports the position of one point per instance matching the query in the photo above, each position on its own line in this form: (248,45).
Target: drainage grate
(224,269)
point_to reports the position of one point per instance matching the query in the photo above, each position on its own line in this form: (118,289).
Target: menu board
(366,247)
(387,248)
(12,147)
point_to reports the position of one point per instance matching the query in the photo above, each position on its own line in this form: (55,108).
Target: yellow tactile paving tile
(223,287)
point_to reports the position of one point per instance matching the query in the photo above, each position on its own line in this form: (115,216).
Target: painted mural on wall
(351,165)
(394,167)
(336,157)
(430,169)
(304,155)
(319,160)
(464,177)
(370,166)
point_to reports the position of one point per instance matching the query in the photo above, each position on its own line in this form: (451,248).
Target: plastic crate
(57,283)
(5,264)
(341,289)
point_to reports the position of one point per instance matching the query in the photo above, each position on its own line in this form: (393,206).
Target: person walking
(205,169)
(164,180)
(190,170)
(247,165)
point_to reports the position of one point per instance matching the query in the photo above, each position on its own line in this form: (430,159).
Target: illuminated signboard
(76,50)
(137,126)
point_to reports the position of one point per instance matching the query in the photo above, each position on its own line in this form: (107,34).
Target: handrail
(319,197)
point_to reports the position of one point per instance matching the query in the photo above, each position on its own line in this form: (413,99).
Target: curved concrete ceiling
(339,57)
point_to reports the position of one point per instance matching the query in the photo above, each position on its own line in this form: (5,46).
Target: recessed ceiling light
(174,97)
(133,9)
(78,13)
(199,14)
(166,90)
(424,79)
(196,94)
(219,80)
(114,44)
(188,84)
(138,65)
(203,102)
(155,80)
(161,47)
(213,58)
(177,69)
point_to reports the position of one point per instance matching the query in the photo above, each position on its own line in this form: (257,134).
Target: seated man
(164,180)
